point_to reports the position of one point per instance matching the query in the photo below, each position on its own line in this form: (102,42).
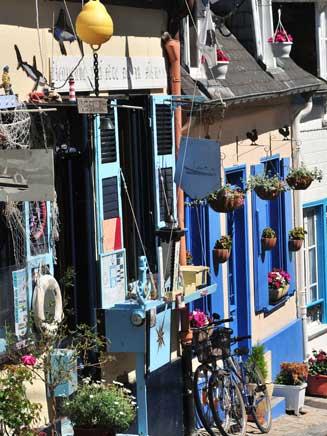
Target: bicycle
(218,399)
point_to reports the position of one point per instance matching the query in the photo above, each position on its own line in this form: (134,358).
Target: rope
(280,26)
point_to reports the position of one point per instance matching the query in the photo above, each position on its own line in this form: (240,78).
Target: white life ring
(47,283)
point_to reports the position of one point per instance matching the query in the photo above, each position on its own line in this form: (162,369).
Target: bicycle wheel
(260,406)
(227,405)
(200,392)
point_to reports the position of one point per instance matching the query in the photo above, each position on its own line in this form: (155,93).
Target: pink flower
(221,56)
(281,36)
(28,360)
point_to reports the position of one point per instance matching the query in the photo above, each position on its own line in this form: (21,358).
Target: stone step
(278,406)
(317,402)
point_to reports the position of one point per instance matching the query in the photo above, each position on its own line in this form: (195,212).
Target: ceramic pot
(266,195)
(295,244)
(277,294)
(221,70)
(298,183)
(294,396)
(268,243)
(221,255)
(282,49)
(93,431)
(317,385)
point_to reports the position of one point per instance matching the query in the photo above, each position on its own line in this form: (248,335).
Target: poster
(19,279)
(113,279)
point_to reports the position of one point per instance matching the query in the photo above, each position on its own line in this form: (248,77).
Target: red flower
(28,360)
(221,56)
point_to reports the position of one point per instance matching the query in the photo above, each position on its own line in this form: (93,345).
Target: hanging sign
(198,167)
(26,175)
(92,105)
(115,73)
(20,301)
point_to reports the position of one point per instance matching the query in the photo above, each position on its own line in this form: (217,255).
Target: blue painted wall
(286,345)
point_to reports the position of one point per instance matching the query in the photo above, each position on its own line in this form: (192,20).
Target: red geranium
(281,36)
(221,56)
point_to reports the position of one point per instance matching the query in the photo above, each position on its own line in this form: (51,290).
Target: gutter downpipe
(173,49)
(298,220)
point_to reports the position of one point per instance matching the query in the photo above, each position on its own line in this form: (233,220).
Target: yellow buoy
(94,25)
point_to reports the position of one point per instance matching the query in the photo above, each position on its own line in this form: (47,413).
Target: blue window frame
(314,220)
(278,215)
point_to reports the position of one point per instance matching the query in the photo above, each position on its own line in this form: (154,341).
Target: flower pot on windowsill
(264,194)
(317,385)
(298,183)
(295,244)
(221,69)
(221,255)
(294,396)
(93,431)
(276,295)
(282,49)
(268,243)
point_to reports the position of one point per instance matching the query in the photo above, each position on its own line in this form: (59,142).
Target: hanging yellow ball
(94,25)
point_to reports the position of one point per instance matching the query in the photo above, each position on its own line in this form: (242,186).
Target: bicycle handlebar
(241,338)
(223,321)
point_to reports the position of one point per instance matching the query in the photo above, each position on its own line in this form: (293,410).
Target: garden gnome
(6,85)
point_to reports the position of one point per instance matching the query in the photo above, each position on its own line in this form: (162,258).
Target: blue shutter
(260,220)
(287,219)
(163,140)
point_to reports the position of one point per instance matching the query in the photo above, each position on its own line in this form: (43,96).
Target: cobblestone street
(312,423)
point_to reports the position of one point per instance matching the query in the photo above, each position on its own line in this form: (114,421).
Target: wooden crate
(194,277)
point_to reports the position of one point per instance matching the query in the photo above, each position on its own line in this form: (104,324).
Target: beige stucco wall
(136,32)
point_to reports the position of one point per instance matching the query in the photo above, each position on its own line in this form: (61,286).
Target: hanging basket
(298,183)
(238,199)
(221,69)
(281,42)
(282,49)
(221,255)
(268,244)
(226,201)
(295,244)
(265,194)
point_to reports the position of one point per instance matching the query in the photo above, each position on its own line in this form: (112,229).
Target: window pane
(313,265)
(313,294)
(315,313)
(311,228)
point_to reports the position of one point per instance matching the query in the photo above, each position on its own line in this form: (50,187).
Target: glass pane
(313,265)
(311,228)
(313,294)
(315,313)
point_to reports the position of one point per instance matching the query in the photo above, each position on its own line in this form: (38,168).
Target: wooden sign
(92,105)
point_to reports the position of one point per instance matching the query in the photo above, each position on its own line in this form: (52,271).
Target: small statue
(6,85)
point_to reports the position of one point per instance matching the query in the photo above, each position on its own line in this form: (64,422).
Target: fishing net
(15,129)
(15,219)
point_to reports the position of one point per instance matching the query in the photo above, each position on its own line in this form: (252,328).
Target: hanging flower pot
(302,177)
(222,249)
(282,49)
(268,239)
(222,65)
(295,244)
(226,199)
(281,42)
(296,238)
(265,186)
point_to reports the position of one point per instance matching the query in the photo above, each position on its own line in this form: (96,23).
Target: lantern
(94,25)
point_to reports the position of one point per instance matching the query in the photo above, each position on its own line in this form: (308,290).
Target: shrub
(257,357)
(268,233)
(293,374)
(297,233)
(266,182)
(318,363)
(225,242)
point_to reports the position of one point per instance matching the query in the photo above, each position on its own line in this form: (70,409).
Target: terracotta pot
(93,431)
(295,244)
(317,385)
(221,255)
(268,243)
(298,183)
(277,294)
(267,195)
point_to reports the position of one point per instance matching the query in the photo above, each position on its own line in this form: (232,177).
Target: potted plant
(302,177)
(278,284)
(291,384)
(265,186)
(222,64)
(99,409)
(221,251)
(317,379)
(226,199)
(281,44)
(268,239)
(296,238)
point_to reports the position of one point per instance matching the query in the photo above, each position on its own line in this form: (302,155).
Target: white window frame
(195,72)
(321,38)
(264,27)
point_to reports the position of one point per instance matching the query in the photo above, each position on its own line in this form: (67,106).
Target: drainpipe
(173,49)
(298,219)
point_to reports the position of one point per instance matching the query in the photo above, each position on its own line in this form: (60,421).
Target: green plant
(304,172)
(293,374)
(227,190)
(17,413)
(268,233)
(100,405)
(225,242)
(266,182)
(257,357)
(318,363)
(297,233)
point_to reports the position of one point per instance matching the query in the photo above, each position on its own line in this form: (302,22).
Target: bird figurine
(63,32)
(285,131)
(253,136)
(6,84)
(31,70)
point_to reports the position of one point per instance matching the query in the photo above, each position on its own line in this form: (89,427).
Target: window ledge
(316,331)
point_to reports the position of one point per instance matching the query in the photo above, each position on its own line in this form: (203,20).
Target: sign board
(20,301)
(92,105)
(26,175)
(198,167)
(115,73)
(113,279)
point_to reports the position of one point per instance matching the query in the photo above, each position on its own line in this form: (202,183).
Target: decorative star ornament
(160,337)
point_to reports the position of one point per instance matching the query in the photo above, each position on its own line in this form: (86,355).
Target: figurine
(6,85)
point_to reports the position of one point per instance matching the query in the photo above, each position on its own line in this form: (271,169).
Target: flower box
(277,294)
(194,277)
(294,396)
(317,385)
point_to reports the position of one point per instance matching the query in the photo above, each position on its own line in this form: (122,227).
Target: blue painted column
(142,413)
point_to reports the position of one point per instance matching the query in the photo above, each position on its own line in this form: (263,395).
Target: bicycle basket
(220,341)
(202,344)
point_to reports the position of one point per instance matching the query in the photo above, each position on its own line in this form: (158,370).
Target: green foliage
(227,190)
(67,280)
(297,233)
(100,405)
(224,242)
(257,357)
(293,374)
(318,363)
(266,182)
(302,171)
(17,413)
(268,233)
